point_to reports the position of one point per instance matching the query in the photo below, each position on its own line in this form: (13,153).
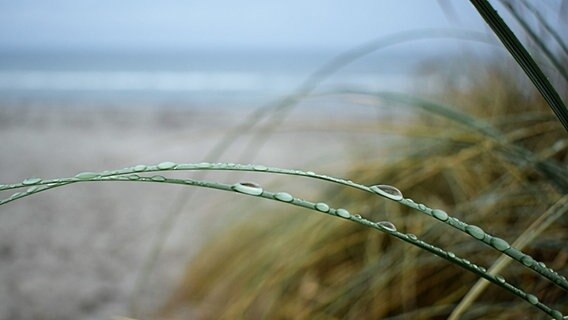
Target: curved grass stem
(536,228)
(256,191)
(391,193)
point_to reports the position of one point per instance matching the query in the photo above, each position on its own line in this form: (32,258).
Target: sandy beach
(77,251)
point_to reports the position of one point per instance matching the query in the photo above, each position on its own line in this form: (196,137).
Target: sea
(189,78)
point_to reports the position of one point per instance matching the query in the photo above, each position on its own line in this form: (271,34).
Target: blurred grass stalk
(524,59)
(293,266)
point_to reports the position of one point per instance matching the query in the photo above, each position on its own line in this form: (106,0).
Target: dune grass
(490,153)
(292,265)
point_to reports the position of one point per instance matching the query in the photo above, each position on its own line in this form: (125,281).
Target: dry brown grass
(296,265)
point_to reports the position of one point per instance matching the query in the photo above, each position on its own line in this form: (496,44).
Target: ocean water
(196,78)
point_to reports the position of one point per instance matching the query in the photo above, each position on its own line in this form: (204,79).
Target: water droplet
(514,253)
(284,196)
(422,207)
(440,214)
(139,168)
(482,269)
(467,262)
(557,314)
(412,236)
(30,181)
(387,225)
(457,223)
(33,189)
(499,244)
(387,191)
(358,216)
(542,265)
(259,167)
(249,188)
(204,165)
(343,213)
(500,278)
(87,175)
(310,173)
(475,232)
(323,207)
(134,177)
(167,165)
(527,260)
(230,164)
(158,178)
(532,299)
(451,255)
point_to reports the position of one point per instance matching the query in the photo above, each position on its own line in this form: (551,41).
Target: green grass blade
(131,174)
(523,58)
(537,227)
(122,175)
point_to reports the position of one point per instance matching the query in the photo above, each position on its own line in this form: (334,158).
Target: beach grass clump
(289,264)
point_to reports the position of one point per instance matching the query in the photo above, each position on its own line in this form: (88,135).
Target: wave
(164,81)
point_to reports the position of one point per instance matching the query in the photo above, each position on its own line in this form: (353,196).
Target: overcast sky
(216,23)
(222,23)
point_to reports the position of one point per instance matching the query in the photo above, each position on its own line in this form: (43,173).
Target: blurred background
(196,54)
(97,85)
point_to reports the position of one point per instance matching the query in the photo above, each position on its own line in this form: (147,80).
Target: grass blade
(536,228)
(523,58)
(534,37)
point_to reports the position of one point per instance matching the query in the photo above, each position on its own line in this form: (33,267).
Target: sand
(76,252)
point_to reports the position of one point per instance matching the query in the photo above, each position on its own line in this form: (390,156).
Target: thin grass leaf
(535,229)
(524,59)
(544,23)
(534,37)
(385,191)
(256,191)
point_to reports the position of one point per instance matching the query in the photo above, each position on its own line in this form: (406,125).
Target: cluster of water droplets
(476,232)
(32,183)
(126,173)
(495,242)
(250,188)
